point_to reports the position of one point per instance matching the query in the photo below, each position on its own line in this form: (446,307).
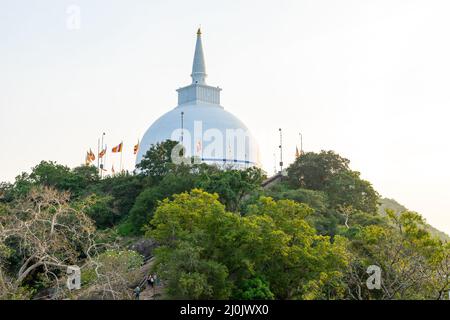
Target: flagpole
(301,143)
(98,158)
(104,158)
(182,133)
(101,169)
(137,150)
(121,153)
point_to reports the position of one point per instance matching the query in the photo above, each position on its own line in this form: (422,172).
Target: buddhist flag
(117,148)
(136,148)
(102,153)
(88,159)
(91,155)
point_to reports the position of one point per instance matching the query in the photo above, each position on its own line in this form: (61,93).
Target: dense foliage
(220,235)
(226,253)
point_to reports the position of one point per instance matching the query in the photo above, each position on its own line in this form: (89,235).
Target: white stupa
(206,130)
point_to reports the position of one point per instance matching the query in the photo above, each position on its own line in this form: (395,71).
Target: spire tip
(199,32)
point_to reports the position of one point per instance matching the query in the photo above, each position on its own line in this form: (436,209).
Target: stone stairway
(149,293)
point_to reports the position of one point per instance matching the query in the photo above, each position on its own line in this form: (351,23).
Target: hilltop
(212,233)
(386,203)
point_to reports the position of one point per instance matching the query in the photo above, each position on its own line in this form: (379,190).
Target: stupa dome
(206,130)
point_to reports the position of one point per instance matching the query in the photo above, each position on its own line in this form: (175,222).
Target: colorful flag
(91,155)
(88,159)
(102,153)
(118,148)
(136,148)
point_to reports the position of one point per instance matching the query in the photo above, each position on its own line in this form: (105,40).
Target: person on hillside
(151,281)
(137,293)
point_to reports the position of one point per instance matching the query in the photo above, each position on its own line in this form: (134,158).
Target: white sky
(368,79)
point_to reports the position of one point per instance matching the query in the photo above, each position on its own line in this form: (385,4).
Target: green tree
(405,252)
(157,162)
(348,189)
(180,178)
(317,200)
(101,211)
(53,175)
(330,173)
(255,289)
(298,257)
(192,276)
(183,260)
(20,188)
(124,189)
(143,208)
(6,192)
(82,178)
(274,242)
(314,170)
(232,185)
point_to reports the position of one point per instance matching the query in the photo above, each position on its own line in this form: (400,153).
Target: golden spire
(199,32)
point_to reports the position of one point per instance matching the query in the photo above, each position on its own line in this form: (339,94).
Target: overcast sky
(368,79)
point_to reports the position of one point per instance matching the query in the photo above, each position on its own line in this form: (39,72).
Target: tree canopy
(273,247)
(216,233)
